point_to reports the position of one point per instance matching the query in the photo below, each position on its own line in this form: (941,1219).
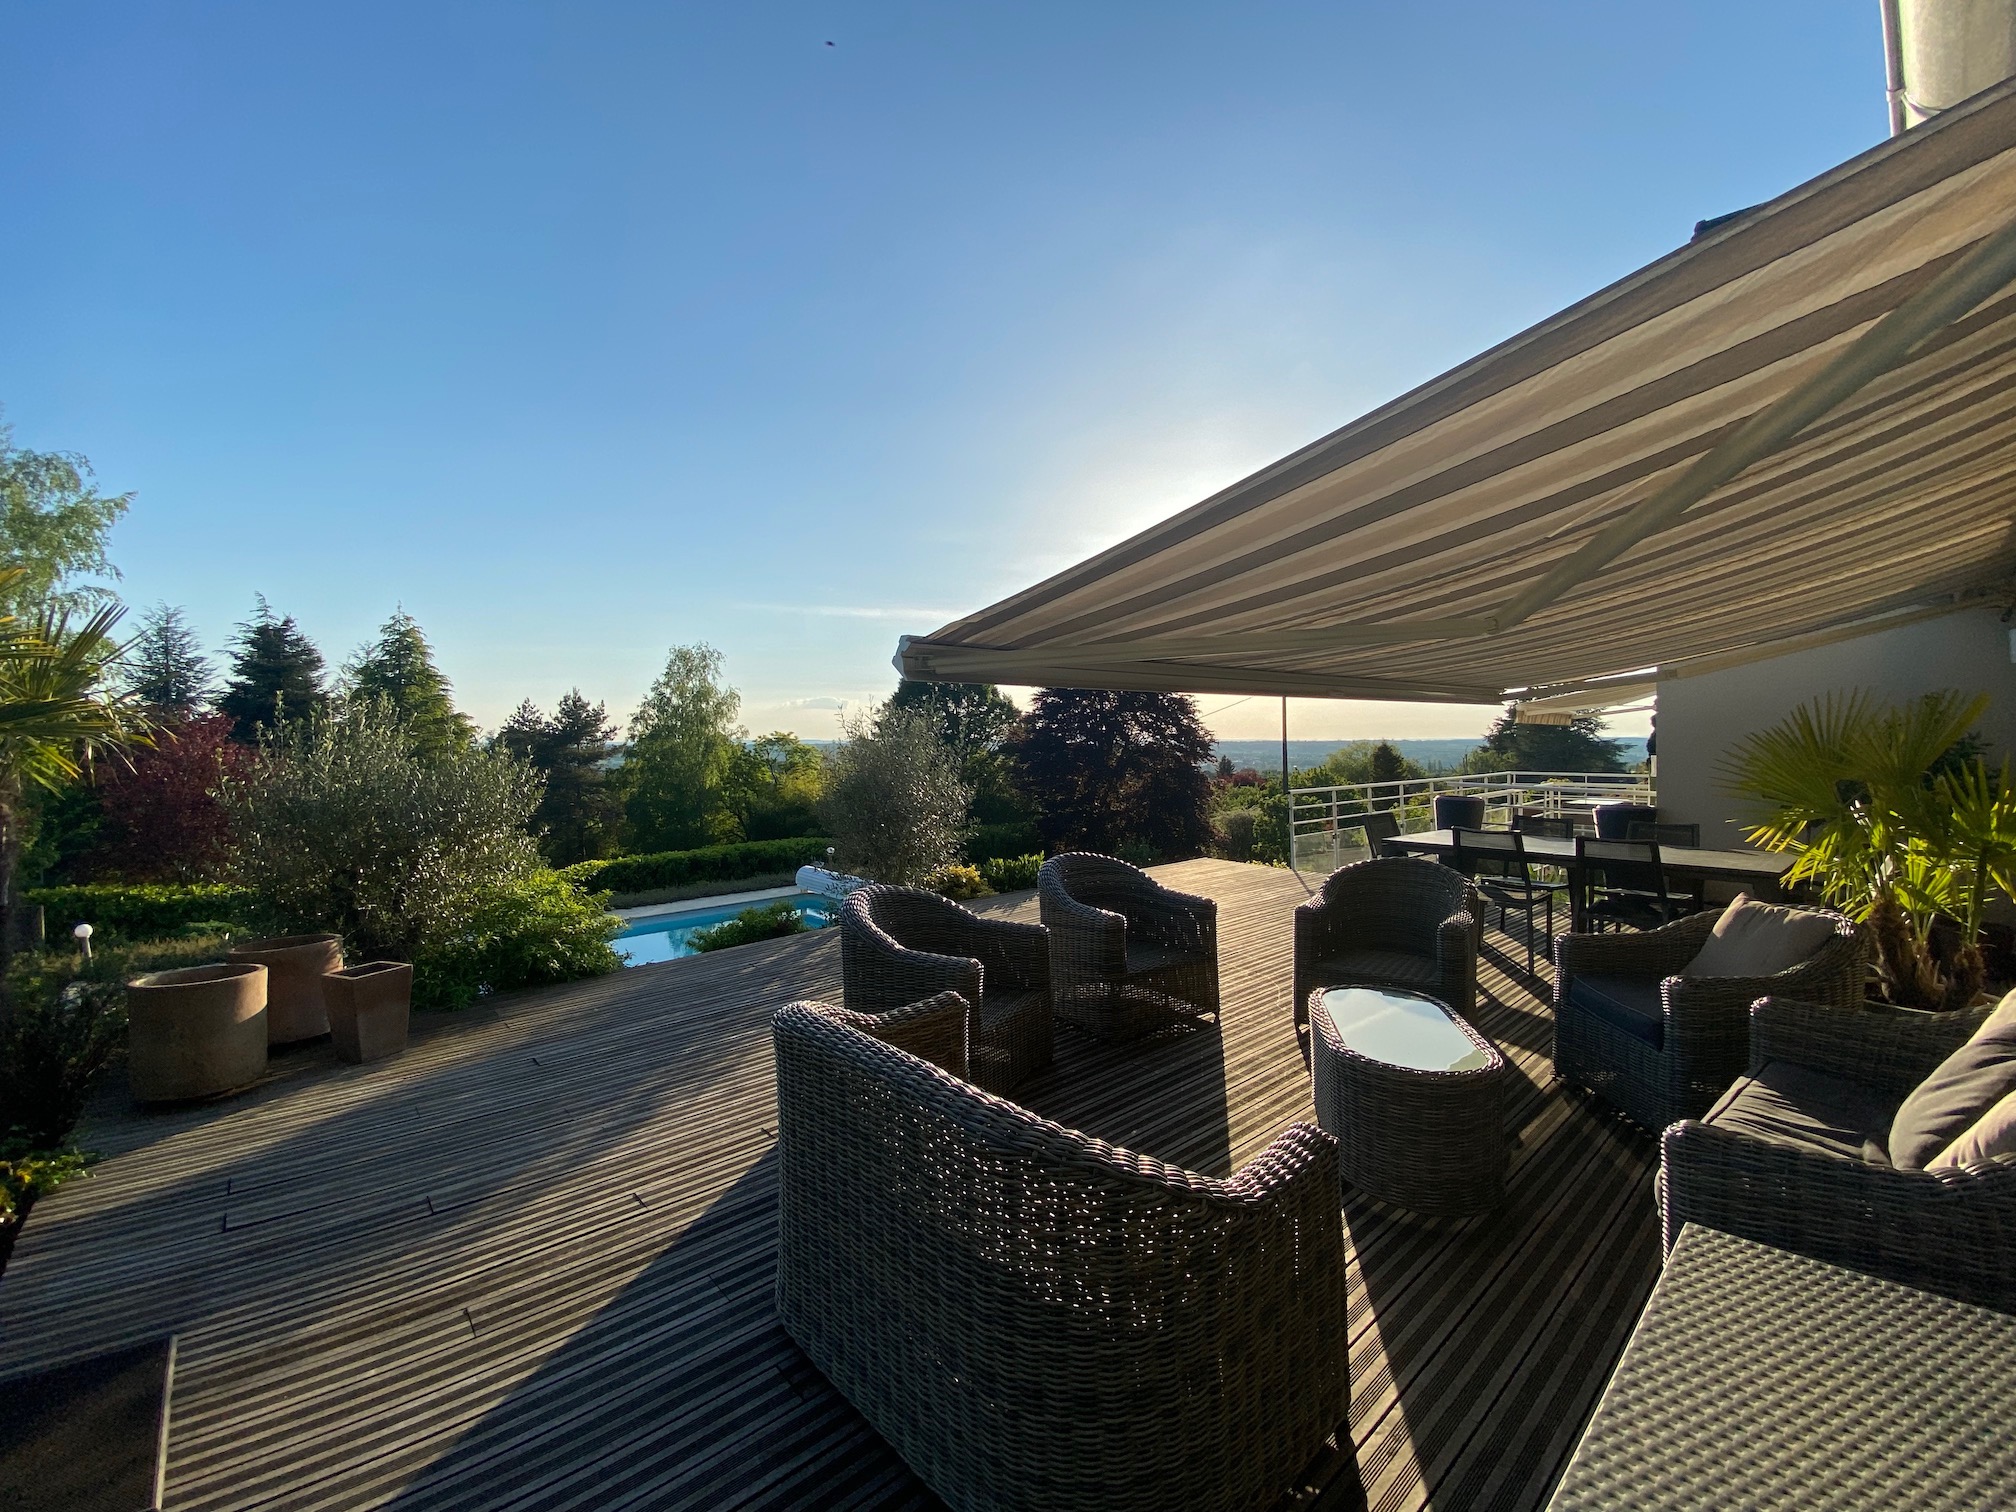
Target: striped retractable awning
(1800,426)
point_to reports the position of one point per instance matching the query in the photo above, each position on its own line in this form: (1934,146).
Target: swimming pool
(668,936)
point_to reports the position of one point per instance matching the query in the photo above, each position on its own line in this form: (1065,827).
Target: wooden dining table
(1759,873)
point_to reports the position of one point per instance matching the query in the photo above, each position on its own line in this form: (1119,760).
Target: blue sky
(581,330)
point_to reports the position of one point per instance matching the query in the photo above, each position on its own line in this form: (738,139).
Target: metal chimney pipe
(1940,52)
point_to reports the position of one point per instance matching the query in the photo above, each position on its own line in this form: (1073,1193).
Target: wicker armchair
(1034,1319)
(1661,1047)
(1128,956)
(1397,921)
(899,945)
(1952,1232)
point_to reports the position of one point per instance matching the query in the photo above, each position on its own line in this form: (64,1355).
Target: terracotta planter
(294,1006)
(369,1006)
(196,1032)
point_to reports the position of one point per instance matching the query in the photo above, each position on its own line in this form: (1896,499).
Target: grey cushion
(1395,966)
(1628,1003)
(1798,1108)
(1754,939)
(1993,1134)
(1954,1098)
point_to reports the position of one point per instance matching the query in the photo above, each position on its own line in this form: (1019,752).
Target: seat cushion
(1397,967)
(1001,1007)
(1754,939)
(1993,1134)
(1959,1094)
(1798,1108)
(1627,1003)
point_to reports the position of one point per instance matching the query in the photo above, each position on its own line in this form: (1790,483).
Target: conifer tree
(578,814)
(398,668)
(276,673)
(167,670)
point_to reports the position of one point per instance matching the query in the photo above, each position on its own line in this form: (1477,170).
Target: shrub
(1012,873)
(958,882)
(712,863)
(1234,833)
(1000,842)
(767,921)
(142,910)
(26,1174)
(524,933)
(894,801)
(52,1051)
(343,826)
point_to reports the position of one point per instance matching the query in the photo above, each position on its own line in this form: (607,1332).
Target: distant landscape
(1265,755)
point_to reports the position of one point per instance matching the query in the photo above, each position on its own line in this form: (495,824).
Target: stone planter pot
(196,1032)
(294,1006)
(369,1008)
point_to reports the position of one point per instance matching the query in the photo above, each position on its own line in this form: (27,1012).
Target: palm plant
(1893,826)
(58,710)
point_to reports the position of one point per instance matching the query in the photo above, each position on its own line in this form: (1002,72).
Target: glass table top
(1402,1029)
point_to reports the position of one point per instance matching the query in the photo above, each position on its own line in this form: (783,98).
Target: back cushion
(1754,939)
(1956,1097)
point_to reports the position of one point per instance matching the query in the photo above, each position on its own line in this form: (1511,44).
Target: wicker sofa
(1782,1158)
(1128,956)
(1661,1047)
(1398,921)
(901,944)
(1037,1320)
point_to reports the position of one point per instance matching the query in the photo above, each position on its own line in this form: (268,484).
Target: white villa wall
(1700,718)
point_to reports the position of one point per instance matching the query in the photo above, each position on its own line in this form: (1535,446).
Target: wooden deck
(528,1264)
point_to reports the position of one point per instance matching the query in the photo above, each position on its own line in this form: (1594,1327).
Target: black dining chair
(1545,826)
(1380,826)
(1496,861)
(1693,892)
(1623,883)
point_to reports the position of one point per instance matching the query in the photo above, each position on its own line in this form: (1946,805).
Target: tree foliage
(398,669)
(161,816)
(1116,772)
(53,525)
(342,825)
(775,787)
(894,802)
(1577,746)
(678,768)
(975,721)
(1358,762)
(579,812)
(276,675)
(166,669)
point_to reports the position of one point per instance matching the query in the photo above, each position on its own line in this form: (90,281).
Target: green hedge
(138,911)
(1003,842)
(713,863)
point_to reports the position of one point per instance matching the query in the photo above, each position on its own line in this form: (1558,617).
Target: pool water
(669,936)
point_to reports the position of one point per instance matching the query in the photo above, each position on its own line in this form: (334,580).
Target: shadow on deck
(528,1264)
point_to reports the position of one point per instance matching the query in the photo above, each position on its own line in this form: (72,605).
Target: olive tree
(894,801)
(342,825)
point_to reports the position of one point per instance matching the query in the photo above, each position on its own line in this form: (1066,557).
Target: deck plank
(527,1264)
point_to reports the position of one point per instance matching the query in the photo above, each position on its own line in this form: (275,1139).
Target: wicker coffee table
(1415,1096)
(1759,1378)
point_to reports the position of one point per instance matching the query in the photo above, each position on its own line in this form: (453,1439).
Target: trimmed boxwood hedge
(713,863)
(138,911)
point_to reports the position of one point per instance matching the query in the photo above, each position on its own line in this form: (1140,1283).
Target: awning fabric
(1389,559)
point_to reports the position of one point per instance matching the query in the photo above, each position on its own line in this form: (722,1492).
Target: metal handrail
(1324,834)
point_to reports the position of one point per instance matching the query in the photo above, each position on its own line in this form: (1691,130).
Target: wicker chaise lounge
(1035,1320)
(1659,1046)
(1397,921)
(1797,1155)
(1128,956)
(901,944)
